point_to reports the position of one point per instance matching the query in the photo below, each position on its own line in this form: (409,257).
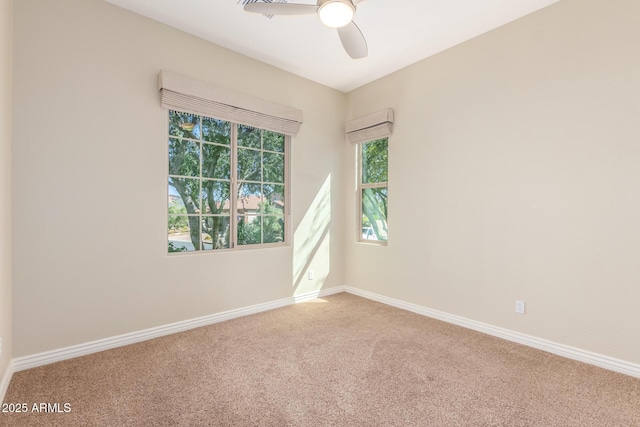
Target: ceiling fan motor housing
(336,13)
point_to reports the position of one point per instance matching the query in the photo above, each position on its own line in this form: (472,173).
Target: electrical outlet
(519,307)
(311,275)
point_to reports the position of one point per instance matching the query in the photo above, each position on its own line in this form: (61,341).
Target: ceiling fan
(336,14)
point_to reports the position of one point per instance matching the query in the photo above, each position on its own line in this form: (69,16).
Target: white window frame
(233,190)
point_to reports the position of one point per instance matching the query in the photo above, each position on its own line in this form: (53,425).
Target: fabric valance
(373,126)
(185,94)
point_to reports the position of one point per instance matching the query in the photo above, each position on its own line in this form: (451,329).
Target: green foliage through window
(373,190)
(208,158)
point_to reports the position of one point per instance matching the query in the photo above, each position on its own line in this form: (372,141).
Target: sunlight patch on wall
(311,243)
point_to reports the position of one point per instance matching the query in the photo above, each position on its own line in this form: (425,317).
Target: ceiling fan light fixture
(336,13)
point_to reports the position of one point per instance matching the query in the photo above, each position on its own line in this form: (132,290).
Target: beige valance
(373,126)
(185,94)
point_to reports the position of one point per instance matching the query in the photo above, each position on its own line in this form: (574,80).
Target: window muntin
(373,190)
(218,171)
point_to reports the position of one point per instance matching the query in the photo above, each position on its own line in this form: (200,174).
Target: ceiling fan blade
(281,8)
(353,40)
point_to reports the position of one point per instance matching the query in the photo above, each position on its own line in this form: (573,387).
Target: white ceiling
(398,32)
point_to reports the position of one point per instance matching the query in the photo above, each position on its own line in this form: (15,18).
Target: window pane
(215,232)
(374,214)
(249,229)
(178,223)
(374,161)
(215,197)
(184,157)
(179,243)
(273,210)
(246,189)
(217,131)
(249,198)
(176,205)
(273,165)
(273,141)
(185,125)
(274,197)
(273,228)
(248,136)
(183,193)
(216,161)
(180,237)
(248,165)
(178,233)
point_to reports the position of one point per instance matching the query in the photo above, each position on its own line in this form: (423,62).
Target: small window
(372,190)
(226,185)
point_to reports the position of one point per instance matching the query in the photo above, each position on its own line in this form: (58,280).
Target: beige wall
(6,27)
(90,179)
(514,174)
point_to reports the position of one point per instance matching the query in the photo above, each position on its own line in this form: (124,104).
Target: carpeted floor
(336,361)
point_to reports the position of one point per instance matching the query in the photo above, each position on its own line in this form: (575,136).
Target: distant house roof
(247,203)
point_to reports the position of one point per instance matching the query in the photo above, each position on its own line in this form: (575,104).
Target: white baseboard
(47,357)
(40,359)
(569,352)
(6,379)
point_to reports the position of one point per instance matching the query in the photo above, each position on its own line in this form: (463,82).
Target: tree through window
(372,189)
(226,184)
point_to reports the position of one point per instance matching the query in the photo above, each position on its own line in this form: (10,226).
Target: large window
(372,190)
(226,186)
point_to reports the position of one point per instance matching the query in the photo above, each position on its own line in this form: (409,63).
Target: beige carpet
(336,361)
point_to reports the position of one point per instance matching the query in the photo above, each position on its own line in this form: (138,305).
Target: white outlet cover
(520,307)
